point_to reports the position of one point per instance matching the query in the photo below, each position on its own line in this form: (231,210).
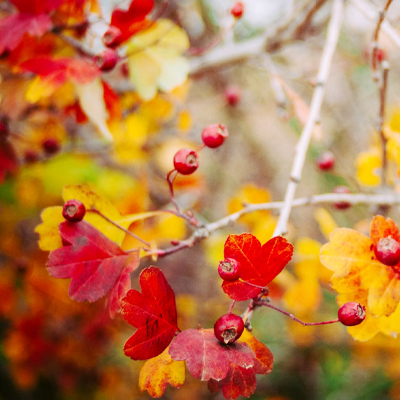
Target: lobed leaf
(153,312)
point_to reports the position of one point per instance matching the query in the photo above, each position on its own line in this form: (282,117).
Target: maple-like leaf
(157,372)
(206,357)
(132,20)
(242,381)
(153,312)
(36,7)
(259,265)
(92,261)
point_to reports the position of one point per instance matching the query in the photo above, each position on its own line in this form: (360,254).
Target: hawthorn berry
(51,146)
(387,251)
(228,328)
(229,269)
(106,60)
(112,37)
(31,156)
(214,135)
(232,95)
(74,211)
(326,161)
(237,10)
(186,161)
(342,205)
(351,313)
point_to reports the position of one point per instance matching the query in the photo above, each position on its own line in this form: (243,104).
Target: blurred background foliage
(54,348)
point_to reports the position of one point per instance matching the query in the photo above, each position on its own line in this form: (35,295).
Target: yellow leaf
(349,253)
(91,99)
(157,372)
(368,164)
(306,289)
(155,59)
(325,221)
(185,121)
(48,230)
(39,88)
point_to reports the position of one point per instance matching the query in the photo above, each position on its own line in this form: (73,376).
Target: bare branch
(316,102)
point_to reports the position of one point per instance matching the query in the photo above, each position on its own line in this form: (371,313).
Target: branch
(316,102)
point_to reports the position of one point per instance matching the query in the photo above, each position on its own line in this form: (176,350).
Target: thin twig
(382,98)
(302,145)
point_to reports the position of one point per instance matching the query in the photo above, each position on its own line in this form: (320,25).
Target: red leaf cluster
(153,312)
(231,368)
(95,264)
(134,19)
(259,265)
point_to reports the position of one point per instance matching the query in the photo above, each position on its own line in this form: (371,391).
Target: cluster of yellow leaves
(359,276)
(369,162)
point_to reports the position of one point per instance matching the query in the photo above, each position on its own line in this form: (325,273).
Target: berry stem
(231,306)
(119,226)
(263,303)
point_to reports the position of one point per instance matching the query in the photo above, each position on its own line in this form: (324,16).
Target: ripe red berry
(31,156)
(228,328)
(186,161)
(342,205)
(106,60)
(237,9)
(232,95)
(229,269)
(326,161)
(387,251)
(51,146)
(214,135)
(74,211)
(112,37)
(351,313)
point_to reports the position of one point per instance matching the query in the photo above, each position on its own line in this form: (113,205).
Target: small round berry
(387,251)
(228,328)
(229,269)
(232,95)
(342,205)
(112,37)
(74,211)
(186,161)
(214,135)
(326,161)
(351,313)
(31,156)
(51,146)
(106,60)
(237,10)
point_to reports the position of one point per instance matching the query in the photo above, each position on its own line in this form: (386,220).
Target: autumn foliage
(168,167)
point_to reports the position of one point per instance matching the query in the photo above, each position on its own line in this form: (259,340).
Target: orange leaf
(157,372)
(381,228)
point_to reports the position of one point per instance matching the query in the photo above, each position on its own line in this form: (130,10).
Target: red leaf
(206,357)
(93,261)
(134,19)
(59,70)
(259,265)
(238,381)
(153,312)
(36,6)
(13,28)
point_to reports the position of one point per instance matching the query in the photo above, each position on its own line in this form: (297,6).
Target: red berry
(232,95)
(74,211)
(237,9)
(31,156)
(229,269)
(125,70)
(326,161)
(51,146)
(228,328)
(113,37)
(351,313)
(106,60)
(387,251)
(186,161)
(214,135)
(342,205)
